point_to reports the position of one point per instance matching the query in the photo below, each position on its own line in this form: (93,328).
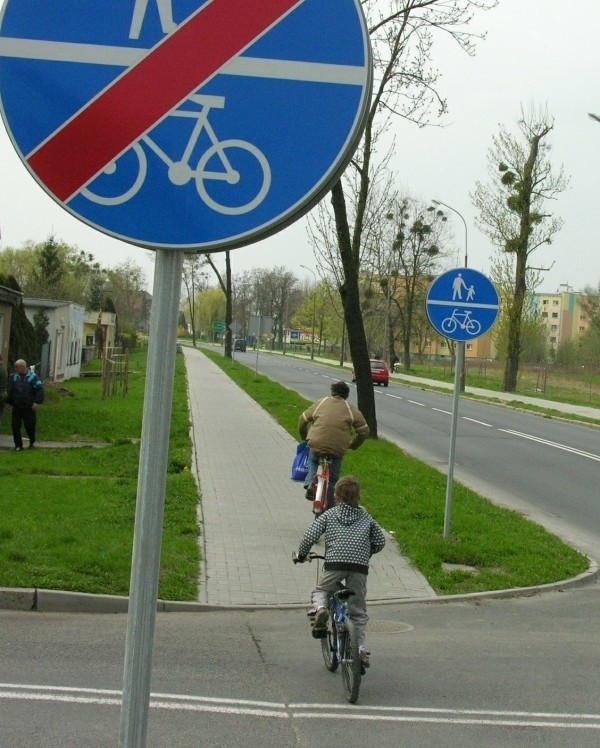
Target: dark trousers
(23,414)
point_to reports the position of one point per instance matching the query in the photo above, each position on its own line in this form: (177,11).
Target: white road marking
(280,710)
(414,402)
(439,410)
(473,420)
(556,445)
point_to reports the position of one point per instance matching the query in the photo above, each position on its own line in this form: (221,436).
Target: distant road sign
(219,326)
(462,304)
(185,124)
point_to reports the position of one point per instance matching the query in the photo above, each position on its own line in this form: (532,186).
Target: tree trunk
(511,369)
(513,352)
(228,305)
(350,295)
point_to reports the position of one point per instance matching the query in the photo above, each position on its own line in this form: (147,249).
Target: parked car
(239,345)
(380,374)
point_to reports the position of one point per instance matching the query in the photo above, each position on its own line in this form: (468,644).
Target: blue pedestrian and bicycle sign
(462,304)
(185,124)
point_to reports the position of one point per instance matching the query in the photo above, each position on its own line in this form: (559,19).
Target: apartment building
(562,314)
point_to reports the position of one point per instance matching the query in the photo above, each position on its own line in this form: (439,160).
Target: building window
(545,302)
(554,328)
(581,328)
(428,344)
(442,343)
(554,315)
(555,302)
(469,346)
(582,317)
(545,315)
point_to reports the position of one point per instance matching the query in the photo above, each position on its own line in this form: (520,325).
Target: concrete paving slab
(252,514)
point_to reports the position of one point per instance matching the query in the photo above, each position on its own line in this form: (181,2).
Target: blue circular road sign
(462,304)
(185,124)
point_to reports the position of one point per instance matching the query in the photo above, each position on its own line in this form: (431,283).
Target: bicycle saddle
(345,593)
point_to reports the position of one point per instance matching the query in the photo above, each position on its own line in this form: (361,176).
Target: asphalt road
(497,673)
(546,468)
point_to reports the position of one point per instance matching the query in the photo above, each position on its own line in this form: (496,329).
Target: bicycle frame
(321,485)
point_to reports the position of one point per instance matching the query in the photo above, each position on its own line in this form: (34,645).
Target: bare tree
(511,211)
(226,287)
(402,34)
(192,280)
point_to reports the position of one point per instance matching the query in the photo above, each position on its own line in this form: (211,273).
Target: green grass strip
(67,515)
(407,497)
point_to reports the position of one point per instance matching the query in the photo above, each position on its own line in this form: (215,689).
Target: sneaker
(364,658)
(320,625)
(18,449)
(310,493)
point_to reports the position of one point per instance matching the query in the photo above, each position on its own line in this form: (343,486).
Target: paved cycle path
(252,514)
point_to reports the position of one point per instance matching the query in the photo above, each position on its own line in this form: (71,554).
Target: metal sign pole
(460,357)
(152,476)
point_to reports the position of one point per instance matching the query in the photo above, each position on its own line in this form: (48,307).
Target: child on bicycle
(351,537)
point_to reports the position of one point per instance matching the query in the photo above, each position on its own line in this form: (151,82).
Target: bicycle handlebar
(308,558)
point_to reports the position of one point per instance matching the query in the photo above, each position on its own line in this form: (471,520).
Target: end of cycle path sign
(185,124)
(462,304)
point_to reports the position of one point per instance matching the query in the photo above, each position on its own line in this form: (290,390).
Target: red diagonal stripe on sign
(142,96)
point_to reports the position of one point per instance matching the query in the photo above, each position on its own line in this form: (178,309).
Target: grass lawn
(67,515)
(407,498)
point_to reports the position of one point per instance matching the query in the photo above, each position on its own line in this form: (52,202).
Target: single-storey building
(65,331)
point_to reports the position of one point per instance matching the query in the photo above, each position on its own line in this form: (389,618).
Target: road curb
(59,601)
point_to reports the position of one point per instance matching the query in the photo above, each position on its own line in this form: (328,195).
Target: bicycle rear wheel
(351,670)
(329,646)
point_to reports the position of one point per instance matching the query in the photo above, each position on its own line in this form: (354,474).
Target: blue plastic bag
(300,463)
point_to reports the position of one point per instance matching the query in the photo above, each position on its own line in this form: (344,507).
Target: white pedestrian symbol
(457,288)
(165,13)
(471,293)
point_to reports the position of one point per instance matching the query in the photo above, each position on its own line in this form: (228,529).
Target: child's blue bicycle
(339,644)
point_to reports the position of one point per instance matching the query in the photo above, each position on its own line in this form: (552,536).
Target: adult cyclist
(331,426)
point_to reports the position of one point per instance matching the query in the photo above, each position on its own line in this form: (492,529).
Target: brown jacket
(333,426)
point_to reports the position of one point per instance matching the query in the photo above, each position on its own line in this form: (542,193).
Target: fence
(115,373)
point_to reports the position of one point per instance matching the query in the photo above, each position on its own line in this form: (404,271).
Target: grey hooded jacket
(351,537)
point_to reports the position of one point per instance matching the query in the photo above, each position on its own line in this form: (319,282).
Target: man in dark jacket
(25,394)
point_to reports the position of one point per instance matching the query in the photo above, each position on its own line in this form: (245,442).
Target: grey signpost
(462,304)
(105,141)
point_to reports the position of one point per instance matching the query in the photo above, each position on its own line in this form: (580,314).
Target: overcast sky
(541,51)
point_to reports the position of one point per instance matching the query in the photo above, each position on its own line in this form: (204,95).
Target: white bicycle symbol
(461,320)
(220,154)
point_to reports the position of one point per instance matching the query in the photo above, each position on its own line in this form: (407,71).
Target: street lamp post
(460,346)
(460,215)
(312,345)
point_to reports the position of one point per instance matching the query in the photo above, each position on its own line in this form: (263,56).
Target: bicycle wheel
(351,670)
(120,180)
(239,176)
(449,324)
(329,646)
(473,327)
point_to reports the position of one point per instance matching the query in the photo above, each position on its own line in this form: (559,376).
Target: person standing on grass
(331,426)
(25,395)
(3,385)
(351,537)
